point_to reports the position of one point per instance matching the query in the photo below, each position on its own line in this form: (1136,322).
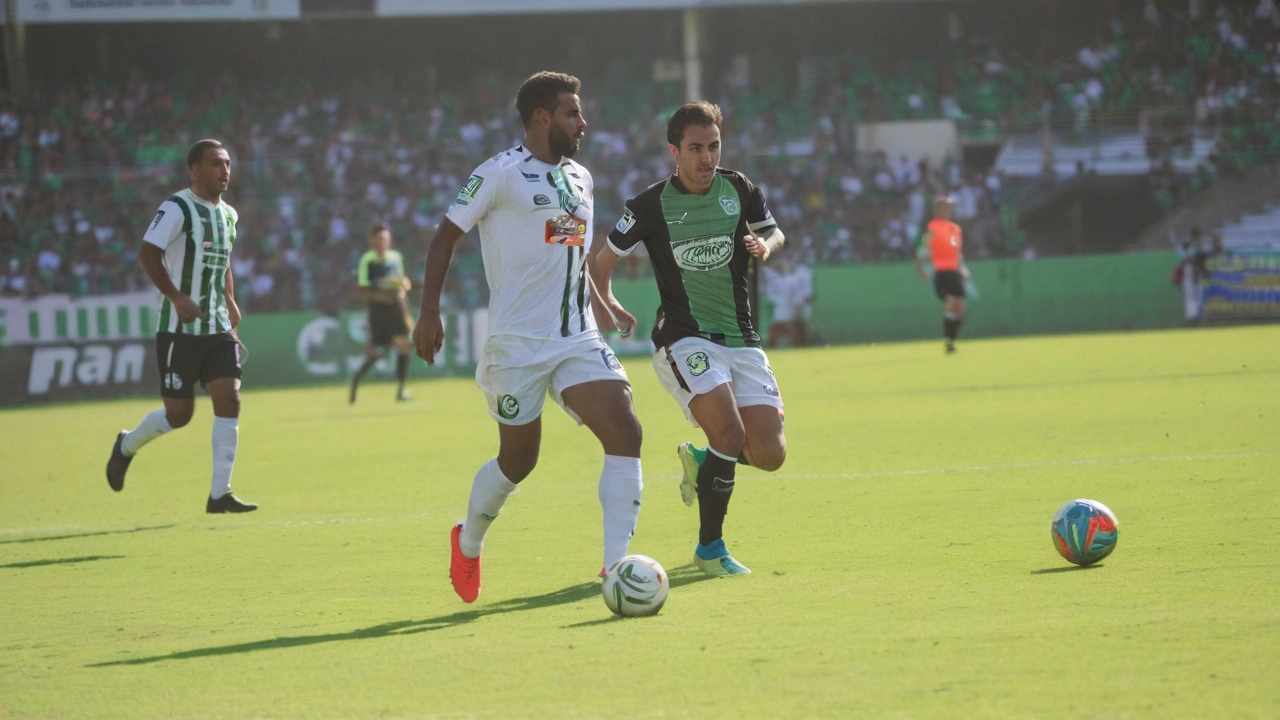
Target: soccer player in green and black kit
(186,252)
(383,285)
(701,227)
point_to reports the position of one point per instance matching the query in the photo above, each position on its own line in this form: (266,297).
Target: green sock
(699,454)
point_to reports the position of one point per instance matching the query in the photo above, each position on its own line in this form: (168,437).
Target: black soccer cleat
(228,504)
(118,465)
(951,348)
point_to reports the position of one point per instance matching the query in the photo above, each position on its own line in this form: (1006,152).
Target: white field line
(1001,466)
(767,476)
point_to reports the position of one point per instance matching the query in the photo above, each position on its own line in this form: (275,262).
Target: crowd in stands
(317,158)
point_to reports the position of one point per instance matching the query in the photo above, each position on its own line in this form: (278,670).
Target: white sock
(489,491)
(226,434)
(152,426)
(620,486)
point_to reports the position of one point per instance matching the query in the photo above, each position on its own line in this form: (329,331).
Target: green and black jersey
(384,272)
(698,257)
(197,237)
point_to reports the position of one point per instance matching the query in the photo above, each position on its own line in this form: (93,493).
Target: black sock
(402,369)
(742,459)
(949,328)
(368,363)
(715,487)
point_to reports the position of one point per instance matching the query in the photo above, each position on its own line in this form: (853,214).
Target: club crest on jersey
(541,200)
(468,192)
(703,253)
(626,222)
(698,363)
(508,406)
(729,205)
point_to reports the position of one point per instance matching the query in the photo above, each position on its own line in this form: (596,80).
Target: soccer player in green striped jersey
(186,252)
(702,226)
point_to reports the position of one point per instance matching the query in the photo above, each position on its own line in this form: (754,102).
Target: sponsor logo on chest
(700,254)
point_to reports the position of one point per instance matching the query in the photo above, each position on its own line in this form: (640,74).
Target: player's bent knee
(517,466)
(770,460)
(727,438)
(626,436)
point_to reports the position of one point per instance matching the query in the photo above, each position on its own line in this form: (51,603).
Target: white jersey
(535,232)
(196,237)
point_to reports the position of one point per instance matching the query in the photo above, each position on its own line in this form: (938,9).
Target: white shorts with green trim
(516,373)
(694,366)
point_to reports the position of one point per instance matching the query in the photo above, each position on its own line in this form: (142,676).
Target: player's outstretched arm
(151,258)
(428,332)
(608,311)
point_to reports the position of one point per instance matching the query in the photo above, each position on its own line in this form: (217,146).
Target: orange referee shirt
(944,244)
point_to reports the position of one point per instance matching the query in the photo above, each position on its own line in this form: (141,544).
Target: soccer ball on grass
(1084,531)
(636,586)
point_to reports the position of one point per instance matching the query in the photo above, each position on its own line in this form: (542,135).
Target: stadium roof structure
(41,12)
(496,7)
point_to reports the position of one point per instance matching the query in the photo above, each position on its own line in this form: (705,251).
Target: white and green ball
(636,586)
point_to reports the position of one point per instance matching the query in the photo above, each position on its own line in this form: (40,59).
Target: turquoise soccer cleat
(715,560)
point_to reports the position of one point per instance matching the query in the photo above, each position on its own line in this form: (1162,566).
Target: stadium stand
(83,162)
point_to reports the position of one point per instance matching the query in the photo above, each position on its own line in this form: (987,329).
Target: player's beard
(561,144)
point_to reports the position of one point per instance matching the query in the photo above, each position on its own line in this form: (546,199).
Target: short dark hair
(196,154)
(542,92)
(377,227)
(700,113)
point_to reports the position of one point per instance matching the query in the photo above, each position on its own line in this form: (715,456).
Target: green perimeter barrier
(300,348)
(853,304)
(879,303)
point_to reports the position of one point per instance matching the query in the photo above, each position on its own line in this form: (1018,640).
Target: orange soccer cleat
(464,572)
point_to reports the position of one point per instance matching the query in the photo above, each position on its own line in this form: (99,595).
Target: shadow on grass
(683,575)
(1072,568)
(88,534)
(568,595)
(60,561)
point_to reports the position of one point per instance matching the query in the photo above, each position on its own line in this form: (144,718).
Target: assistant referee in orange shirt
(946,252)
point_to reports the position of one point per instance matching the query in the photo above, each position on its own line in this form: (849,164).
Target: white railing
(61,318)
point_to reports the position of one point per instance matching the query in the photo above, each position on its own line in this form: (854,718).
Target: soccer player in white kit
(533,205)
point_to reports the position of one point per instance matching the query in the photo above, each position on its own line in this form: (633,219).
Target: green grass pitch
(902,558)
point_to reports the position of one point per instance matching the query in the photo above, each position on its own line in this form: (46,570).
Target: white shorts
(693,366)
(516,373)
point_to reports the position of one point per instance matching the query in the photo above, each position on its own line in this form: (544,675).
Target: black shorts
(184,359)
(948,282)
(385,322)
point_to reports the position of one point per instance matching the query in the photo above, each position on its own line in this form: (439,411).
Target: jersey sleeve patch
(625,223)
(166,226)
(627,233)
(469,190)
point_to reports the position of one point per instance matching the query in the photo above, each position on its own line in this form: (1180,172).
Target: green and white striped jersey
(196,237)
